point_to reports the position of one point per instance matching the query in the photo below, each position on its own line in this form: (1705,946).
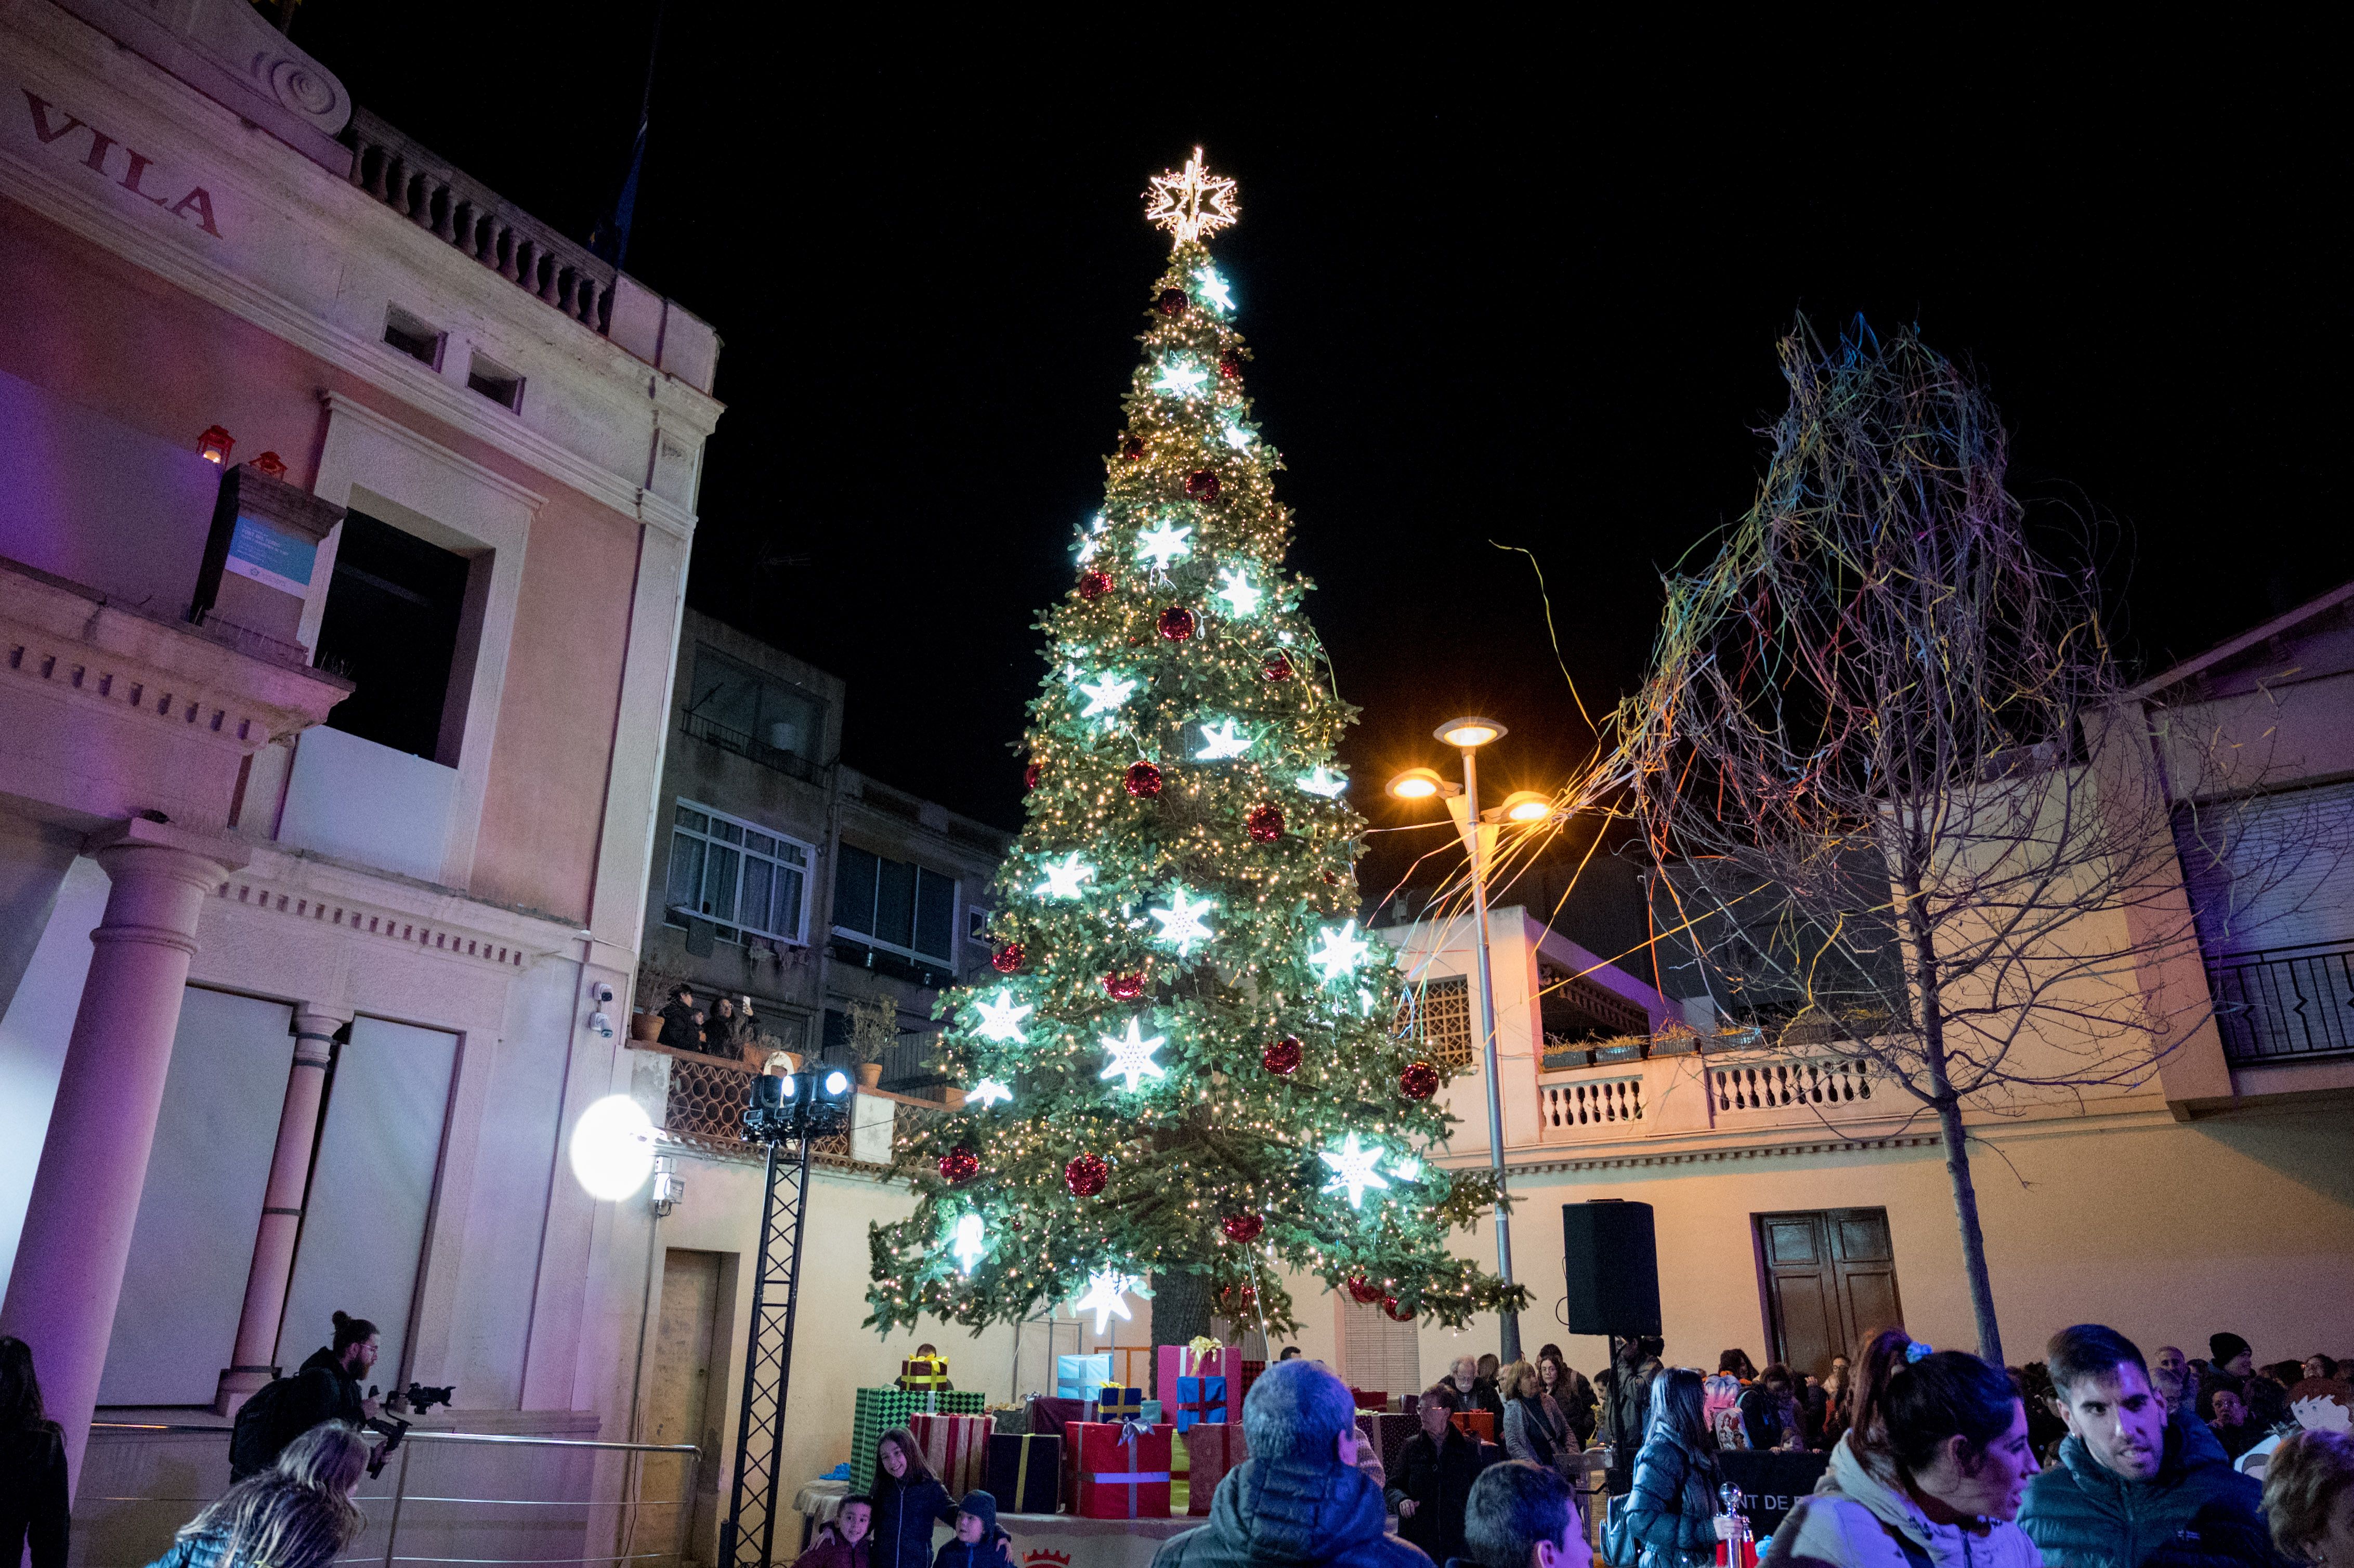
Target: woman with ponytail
(1930,1474)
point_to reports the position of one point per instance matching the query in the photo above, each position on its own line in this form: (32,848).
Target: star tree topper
(1191,204)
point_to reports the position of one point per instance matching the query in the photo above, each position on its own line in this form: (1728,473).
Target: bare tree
(1887,766)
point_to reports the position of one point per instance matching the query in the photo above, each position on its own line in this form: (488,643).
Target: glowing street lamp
(1468,736)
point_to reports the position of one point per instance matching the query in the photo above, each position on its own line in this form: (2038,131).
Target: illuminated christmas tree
(1187,1067)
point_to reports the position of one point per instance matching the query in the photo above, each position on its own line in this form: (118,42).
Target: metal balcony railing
(753,748)
(2286,1005)
(705,1106)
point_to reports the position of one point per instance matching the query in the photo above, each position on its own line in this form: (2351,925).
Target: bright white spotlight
(836,1084)
(613,1149)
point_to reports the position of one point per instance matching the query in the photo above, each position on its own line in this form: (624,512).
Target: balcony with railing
(1649,1087)
(704,1098)
(753,748)
(2286,1005)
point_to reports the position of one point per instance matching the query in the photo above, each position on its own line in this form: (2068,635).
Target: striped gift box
(955,1447)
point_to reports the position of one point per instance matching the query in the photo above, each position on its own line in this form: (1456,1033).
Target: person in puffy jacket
(1672,1510)
(2137,1485)
(908,1500)
(298,1513)
(978,1542)
(1299,1500)
(1930,1475)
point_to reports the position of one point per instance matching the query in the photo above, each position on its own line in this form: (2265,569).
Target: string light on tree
(1063,877)
(1000,1020)
(1182,926)
(1242,599)
(1324,781)
(1131,1056)
(1221,742)
(1164,542)
(1343,950)
(1355,1169)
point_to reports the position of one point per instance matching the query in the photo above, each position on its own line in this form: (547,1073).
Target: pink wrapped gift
(1172,1363)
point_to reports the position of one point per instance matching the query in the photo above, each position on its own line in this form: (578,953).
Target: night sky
(1519,289)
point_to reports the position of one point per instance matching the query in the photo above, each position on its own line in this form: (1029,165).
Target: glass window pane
(688,817)
(758,843)
(720,884)
(788,904)
(854,889)
(685,870)
(726,831)
(754,908)
(935,914)
(894,902)
(791,853)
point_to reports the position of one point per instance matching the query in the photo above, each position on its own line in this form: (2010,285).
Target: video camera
(418,1399)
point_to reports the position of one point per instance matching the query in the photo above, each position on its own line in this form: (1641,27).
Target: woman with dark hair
(32,1464)
(1672,1513)
(1536,1428)
(1568,1388)
(908,1500)
(298,1513)
(1932,1470)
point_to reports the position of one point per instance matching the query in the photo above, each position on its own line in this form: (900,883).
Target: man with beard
(2134,1487)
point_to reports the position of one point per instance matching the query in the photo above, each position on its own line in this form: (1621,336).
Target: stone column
(281,1208)
(85,1198)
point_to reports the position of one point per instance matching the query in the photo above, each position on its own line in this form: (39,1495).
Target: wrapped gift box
(1374,1399)
(1078,1377)
(878,1410)
(1123,1470)
(920,1373)
(955,1447)
(1252,1372)
(963,1401)
(1211,1450)
(1026,1472)
(1199,1400)
(1048,1417)
(1480,1423)
(1149,1412)
(1388,1433)
(1192,1383)
(1114,1402)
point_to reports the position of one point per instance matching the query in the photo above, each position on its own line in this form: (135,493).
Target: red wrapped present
(1123,1468)
(1370,1399)
(955,1447)
(1480,1423)
(1211,1450)
(1049,1416)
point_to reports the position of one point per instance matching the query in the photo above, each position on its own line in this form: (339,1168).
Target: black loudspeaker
(1611,1266)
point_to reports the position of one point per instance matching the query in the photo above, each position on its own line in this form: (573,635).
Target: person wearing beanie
(2267,1401)
(978,1543)
(1299,1500)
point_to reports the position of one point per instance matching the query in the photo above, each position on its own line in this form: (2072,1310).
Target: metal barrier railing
(622,1508)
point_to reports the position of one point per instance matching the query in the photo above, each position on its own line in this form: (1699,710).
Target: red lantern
(270,465)
(214,445)
(1132,449)
(1230,364)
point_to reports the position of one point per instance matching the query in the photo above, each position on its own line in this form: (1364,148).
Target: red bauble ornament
(1085,1175)
(1281,1057)
(1132,449)
(1242,1227)
(959,1165)
(1265,824)
(1334,878)
(1007,959)
(1395,1311)
(1202,484)
(1123,988)
(1419,1081)
(1277,667)
(1144,780)
(1176,623)
(1093,585)
(1031,774)
(1364,1291)
(1172,302)
(1230,364)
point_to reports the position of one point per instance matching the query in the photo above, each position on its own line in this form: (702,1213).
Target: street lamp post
(1467,735)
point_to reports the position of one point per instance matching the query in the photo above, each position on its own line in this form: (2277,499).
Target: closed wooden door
(1830,1278)
(679,1405)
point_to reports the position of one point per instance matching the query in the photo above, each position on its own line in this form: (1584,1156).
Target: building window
(417,338)
(976,926)
(1439,1014)
(744,710)
(501,385)
(743,879)
(892,904)
(394,609)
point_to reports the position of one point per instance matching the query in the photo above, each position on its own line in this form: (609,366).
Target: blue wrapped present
(1114,1402)
(1152,1413)
(1199,1398)
(1078,1377)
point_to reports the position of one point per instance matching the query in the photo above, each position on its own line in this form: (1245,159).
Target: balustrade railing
(1591,1108)
(2286,1005)
(708,1094)
(445,202)
(1825,1083)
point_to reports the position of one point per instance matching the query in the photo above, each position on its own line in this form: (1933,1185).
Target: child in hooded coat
(979,1543)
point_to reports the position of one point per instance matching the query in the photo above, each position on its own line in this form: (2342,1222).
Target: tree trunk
(1966,1211)
(1181,1312)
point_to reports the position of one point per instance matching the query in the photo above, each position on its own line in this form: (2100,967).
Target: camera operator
(327,1388)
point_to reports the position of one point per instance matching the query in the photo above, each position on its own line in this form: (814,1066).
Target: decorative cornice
(351,407)
(1631,1160)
